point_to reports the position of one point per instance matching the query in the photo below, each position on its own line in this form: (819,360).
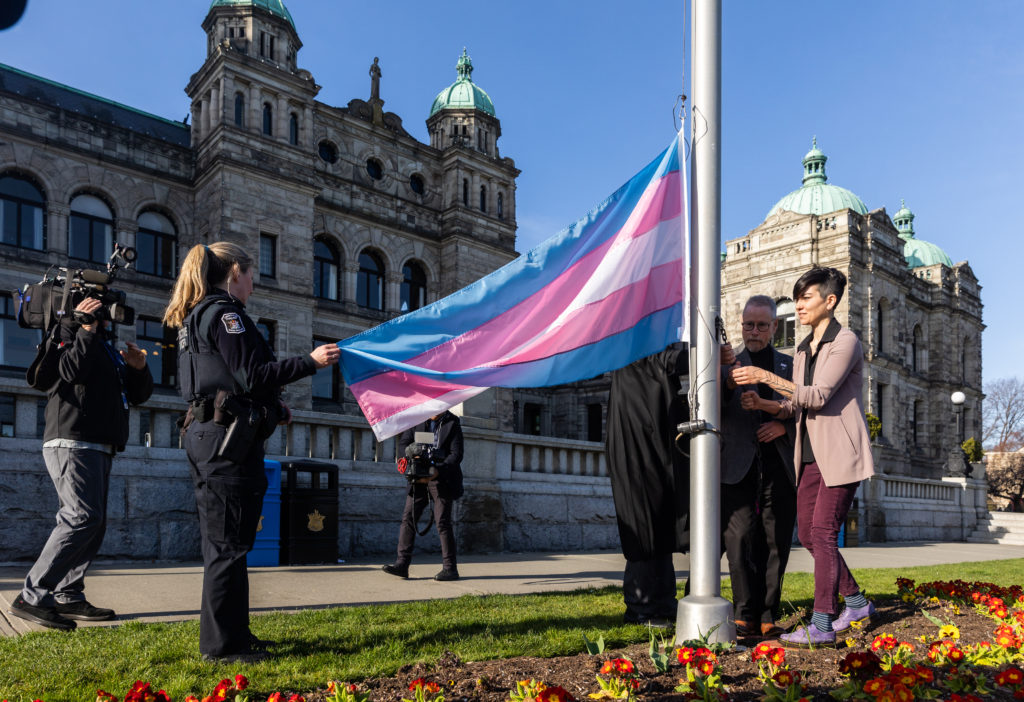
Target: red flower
(1011,676)
(241,682)
(784,678)
(875,686)
(885,642)
(761,650)
(417,683)
(924,674)
(191,698)
(296,698)
(102,696)
(777,656)
(274,697)
(706,667)
(685,655)
(555,694)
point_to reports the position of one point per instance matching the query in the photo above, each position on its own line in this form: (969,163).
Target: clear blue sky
(917,99)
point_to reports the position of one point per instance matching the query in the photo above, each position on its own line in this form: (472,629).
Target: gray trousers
(82,479)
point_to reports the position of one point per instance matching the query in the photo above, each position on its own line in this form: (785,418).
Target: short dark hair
(829,281)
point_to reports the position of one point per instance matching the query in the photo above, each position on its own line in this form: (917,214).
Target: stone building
(918,315)
(352,219)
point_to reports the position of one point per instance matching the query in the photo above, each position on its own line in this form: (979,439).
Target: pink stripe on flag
(389,393)
(530,317)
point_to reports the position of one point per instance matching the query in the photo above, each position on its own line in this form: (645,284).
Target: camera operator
(443,488)
(86,424)
(232,382)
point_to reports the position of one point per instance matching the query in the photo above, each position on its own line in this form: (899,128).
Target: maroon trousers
(821,511)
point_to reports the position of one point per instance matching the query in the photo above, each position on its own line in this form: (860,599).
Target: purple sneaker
(853,617)
(808,637)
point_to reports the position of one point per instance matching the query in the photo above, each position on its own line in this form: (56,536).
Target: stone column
(57,224)
(216,106)
(281,120)
(393,291)
(126,232)
(255,120)
(349,278)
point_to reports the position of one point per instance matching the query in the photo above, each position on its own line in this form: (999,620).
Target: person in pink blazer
(832,451)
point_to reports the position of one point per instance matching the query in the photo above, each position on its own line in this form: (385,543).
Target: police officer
(232,382)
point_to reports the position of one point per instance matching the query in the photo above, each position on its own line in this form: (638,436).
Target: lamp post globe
(958,399)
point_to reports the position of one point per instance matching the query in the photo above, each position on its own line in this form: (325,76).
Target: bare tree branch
(1003,415)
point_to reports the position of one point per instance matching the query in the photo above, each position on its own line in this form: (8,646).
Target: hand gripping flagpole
(704,612)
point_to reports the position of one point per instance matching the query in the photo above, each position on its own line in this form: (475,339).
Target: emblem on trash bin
(259,526)
(316,521)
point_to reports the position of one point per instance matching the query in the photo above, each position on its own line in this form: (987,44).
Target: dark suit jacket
(739,426)
(450,442)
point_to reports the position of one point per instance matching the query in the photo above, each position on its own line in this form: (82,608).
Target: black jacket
(87,403)
(450,443)
(650,477)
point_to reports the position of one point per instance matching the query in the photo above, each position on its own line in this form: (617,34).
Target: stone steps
(1000,528)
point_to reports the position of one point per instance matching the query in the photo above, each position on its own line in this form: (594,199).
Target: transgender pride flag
(600,294)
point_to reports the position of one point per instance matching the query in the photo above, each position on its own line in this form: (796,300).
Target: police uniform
(221,350)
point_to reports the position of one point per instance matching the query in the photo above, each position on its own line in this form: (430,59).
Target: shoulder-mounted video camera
(42,304)
(421,458)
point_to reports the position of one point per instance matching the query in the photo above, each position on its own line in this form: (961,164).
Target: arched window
(239,110)
(92,229)
(22,213)
(883,327)
(326,266)
(268,119)
(483,198)
(414,287)
(370,283)
(785,333)
(501,206)
(293,129)
(155,244)
(160,344)
(17,345)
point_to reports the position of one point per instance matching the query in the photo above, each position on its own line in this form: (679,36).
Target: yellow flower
(949,631)
(856,625)
(933,599)
(923,638)
(850,642)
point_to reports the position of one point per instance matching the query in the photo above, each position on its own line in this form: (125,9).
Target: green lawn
(352,643)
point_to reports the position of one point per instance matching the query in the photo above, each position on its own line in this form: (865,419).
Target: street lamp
(958,456)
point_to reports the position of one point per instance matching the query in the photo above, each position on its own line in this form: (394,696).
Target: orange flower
(191,698)
(777,656)
(274,697)
(885,642)
(706,667)
(685,655)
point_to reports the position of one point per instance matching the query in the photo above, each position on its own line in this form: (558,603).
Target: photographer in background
(86,424)
(443,488)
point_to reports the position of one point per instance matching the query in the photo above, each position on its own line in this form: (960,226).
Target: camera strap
(429,510)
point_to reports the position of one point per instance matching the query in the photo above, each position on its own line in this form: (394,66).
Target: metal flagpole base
(697,615)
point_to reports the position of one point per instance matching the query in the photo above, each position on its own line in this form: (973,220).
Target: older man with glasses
(758,480)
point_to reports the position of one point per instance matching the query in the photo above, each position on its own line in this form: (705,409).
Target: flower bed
(952,641)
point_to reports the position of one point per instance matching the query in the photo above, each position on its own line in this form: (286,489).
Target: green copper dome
(917,252)
(463,94)
(274,7)
(817,196)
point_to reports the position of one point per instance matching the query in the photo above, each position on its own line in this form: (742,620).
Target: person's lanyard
(120,368)
(436,428)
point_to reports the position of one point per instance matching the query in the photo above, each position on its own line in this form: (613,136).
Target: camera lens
(129,254)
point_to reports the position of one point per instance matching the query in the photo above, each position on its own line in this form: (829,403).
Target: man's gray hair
(761,301)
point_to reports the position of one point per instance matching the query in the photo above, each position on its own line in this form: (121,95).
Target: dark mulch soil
(490,681)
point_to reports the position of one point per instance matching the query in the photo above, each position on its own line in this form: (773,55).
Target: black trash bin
(309,512)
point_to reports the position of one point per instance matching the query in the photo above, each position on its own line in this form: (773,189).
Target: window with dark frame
(268,119)
(156,244)
(531,418)
(785,332)
(293,129)
(374,169)
(160,346)
(91,235)
(326,268)
(268,256)
(501,206)
(594,421)
(267,328)
(483,198)
(7,403)
(17,345)
(239,110)
(414,287)
(326,381)
(370,281)
(22,213)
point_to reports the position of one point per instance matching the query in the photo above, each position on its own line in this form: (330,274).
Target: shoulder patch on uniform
(232,323)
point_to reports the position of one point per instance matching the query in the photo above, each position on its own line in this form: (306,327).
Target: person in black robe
(650,480)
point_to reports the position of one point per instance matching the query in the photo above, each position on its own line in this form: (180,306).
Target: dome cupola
(917,251)
(816,196)
(463,94)
(273,7)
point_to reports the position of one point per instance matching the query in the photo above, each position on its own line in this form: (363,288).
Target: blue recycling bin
(267,550)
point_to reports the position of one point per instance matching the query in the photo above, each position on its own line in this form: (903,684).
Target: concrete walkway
(170,591)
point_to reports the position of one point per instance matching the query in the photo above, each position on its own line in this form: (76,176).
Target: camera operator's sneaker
(84,611)
(400,571)
(43,616)
(447,574)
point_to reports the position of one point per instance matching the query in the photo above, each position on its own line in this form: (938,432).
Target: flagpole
(704,609)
